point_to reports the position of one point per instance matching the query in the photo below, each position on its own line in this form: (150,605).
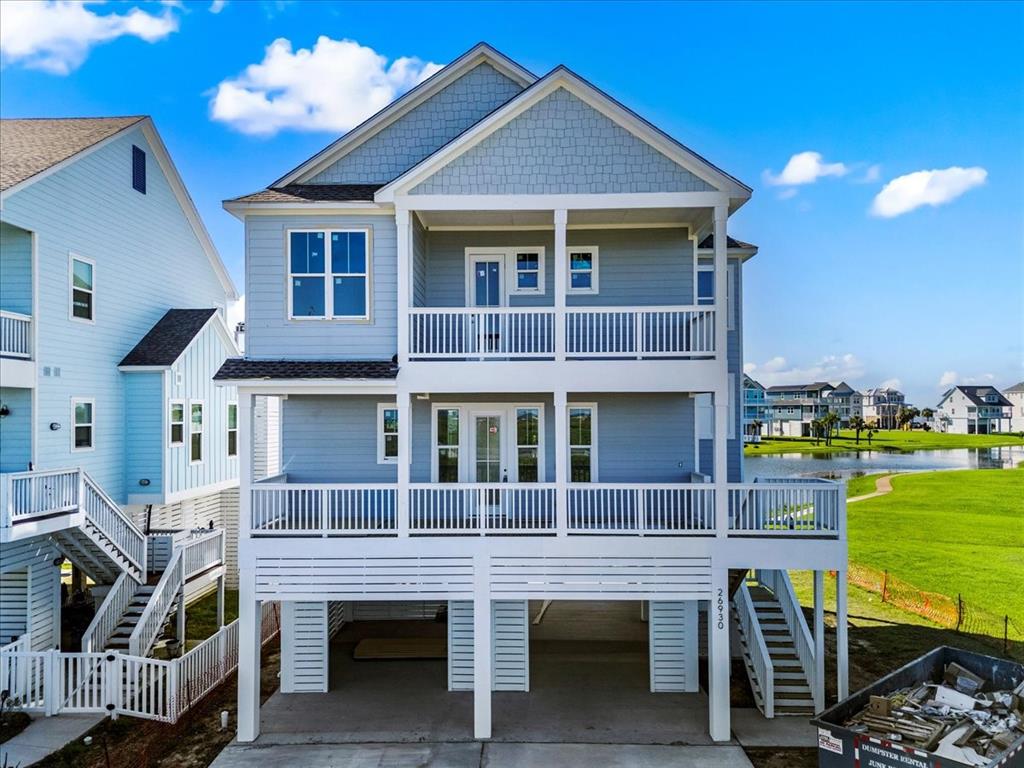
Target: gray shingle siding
(560,145)
(422,131)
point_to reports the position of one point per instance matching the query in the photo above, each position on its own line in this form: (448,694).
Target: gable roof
(977,395)
(311,193)
(479,53)
(167,341)
(32,148)
(29,146)
(1019,387)
(816,386)
(563,77)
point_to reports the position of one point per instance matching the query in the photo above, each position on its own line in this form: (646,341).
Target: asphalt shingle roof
(1019,387)
(730,242)
(312,193)
(169,337)
(30,146)
(240,368)
(977,395)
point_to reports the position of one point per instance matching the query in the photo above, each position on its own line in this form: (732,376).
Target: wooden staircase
(130,618)
(792,689)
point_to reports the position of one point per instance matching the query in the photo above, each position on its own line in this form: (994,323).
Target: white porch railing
(778,582)
(483,508)
(481,333)
(110,613)
(15,334)
(760,659)
(648,509)
(39,494)
(116,526)
(786,507)
(282,509)
(637,332)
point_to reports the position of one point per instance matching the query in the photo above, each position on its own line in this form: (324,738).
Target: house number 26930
(720,605)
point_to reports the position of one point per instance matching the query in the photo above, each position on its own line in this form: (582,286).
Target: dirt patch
(792,757)
(13,723)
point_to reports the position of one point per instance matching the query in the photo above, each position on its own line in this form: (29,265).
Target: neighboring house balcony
(17,365)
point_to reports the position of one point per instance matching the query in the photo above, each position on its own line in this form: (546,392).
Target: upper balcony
(17,366)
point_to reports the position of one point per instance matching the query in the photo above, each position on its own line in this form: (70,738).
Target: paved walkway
(44,736)
(883,485)
(475,755)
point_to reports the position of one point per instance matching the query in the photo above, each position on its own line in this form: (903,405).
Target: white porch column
(248,657)
(220,602)
(245,449)
(561,462)
(818,684)
(561,281)
(718,656)
(481,647)
(720,461)
(404,459)
(403,223)
(842,639)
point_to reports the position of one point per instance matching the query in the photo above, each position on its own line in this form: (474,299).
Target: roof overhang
(219,325)
(562,77)
(478,54)
(325,207)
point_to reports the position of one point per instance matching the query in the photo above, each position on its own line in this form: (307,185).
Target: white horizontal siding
(673,646)
(304,647)
(510,645)
(687,578)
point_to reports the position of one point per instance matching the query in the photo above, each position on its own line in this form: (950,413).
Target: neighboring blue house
(111,327)
(504,317)
(757,414)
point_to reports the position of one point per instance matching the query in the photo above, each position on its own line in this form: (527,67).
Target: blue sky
(924,293)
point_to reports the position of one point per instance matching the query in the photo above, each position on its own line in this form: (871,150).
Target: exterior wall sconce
(4,410)
(54,426)
(144,482)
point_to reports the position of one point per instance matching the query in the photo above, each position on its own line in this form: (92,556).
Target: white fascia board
(310,386)
(406,103)
(321,208)
(563,78)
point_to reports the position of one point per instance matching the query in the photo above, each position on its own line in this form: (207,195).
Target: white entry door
(488,448)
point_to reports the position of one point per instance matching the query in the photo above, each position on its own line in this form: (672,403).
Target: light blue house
(504,319)
(111,327)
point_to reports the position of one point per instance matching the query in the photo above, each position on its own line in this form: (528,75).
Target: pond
(846,464)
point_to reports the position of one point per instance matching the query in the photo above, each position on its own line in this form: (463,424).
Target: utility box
(842,744)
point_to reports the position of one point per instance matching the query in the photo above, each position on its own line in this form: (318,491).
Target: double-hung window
(387,434)
(447,446)
(529,271)
(582,466)
(195,433)
(83,415)
(528,426)
(232,429)
(328,274)
(82,306)
(706,289)
(176,433)
(583,269)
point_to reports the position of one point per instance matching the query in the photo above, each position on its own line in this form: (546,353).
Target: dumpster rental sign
(875,753)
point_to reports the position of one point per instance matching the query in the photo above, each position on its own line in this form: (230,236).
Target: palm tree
(817,428)
(756,426)
(905,416)
(830,423)
(858,425)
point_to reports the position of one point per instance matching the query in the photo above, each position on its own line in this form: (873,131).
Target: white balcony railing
(15,335)
(521,333)
(776,508)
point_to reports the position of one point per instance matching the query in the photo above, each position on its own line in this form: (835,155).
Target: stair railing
(778,582)
(757,649)
(113,523)
(109,615)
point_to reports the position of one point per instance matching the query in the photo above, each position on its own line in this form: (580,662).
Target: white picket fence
(115,683)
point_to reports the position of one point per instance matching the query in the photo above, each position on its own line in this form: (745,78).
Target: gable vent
(138,170)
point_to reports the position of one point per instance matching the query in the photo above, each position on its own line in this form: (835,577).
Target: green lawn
(886,440)
(949,532)
(201,616)
(860,486)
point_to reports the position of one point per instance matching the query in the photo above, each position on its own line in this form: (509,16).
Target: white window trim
(328,276)
(594,270)
(730,279)
(170,422)
(510,440)
(512,279)
(72,258)
(75,401)
(514,438)
(228,430)
(594,463)
(463,464)
(201,433)
(507,254)
(381,407)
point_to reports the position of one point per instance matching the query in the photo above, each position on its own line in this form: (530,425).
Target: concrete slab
(44,736)
(466,755)
(752,729)
(612,756)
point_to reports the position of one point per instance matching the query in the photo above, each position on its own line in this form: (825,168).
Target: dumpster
(914,717)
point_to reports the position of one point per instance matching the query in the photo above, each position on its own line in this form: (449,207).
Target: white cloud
(871,174)
(805,168)
(217,6)
(56,36)
(893,383)
(948,379)
(832,368)
(952,378)
(332,87)
(936,187)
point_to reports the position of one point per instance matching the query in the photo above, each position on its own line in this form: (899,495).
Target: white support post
(404,405)
(481,647)
(719,662)
(842,639)
(720,461)
(561,281)
(818,684)
(561,462)
(220,602)
(249,630)
(245,450)
(403,223)
(180,630)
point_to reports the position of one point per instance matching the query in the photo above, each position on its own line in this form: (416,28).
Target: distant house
(973,411)
(756,411)
(795,406)
(846,402)
(881,405)
(1015,395)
